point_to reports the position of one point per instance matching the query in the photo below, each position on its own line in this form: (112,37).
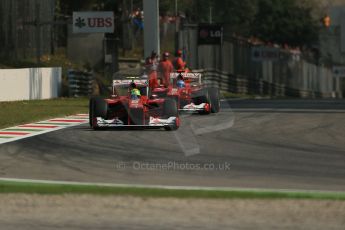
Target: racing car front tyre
(91,102)
(98,107)
(204,98)
(174,126)
(136,117)
(214,99)
(170,108)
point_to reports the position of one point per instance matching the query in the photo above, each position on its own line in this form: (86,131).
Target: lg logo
(215,33)
(203,33)
(210,33)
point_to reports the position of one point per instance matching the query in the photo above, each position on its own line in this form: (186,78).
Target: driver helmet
(180,83)
(166,55)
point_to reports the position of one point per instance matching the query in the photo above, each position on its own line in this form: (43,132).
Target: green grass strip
(24,112)
(5,137)
(47,189)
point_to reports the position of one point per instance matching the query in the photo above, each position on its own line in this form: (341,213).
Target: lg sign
(210,34)
(215,34)
(93,22)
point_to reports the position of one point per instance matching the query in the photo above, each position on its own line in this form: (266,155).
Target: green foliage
(67,7)
(238,14)
(284,22)
(165,6)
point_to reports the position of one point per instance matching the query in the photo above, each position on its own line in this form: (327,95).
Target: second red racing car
(194,96)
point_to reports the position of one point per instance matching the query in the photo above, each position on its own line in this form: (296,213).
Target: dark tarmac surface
(283,144)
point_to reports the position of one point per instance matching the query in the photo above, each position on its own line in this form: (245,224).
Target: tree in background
(285,22)
(238,15)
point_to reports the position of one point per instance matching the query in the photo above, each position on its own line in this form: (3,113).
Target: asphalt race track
(284,144)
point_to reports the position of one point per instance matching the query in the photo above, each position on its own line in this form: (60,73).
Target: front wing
(153,123)
(195,108)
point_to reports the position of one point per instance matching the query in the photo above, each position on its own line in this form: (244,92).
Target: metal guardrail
(240,84)
(80,83)
(235,68)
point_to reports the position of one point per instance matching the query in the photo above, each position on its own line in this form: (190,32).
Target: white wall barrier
(30,83)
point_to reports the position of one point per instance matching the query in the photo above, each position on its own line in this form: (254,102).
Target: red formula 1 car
(193,97)
(122,110)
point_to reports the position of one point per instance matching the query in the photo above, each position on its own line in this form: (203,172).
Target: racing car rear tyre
(170,108)
(214,99)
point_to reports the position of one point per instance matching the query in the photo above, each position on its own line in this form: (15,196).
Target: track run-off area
(268,144)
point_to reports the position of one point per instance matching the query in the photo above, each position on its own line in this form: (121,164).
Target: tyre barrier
(80,83)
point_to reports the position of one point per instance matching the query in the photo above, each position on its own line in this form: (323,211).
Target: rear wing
(125,83)
(129,81)
(195,77)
